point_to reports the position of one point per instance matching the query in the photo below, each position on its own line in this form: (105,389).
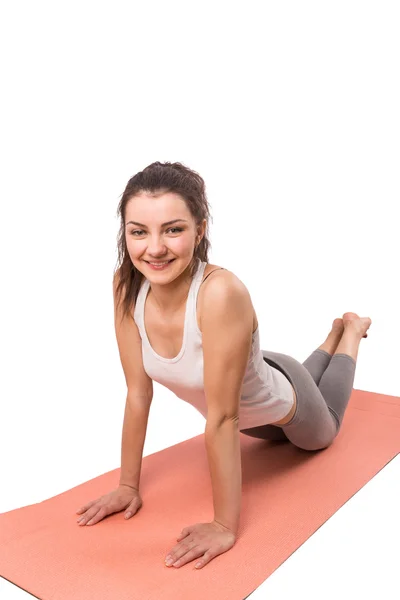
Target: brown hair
(156,179)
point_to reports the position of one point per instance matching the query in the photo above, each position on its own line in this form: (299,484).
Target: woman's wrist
(130,486)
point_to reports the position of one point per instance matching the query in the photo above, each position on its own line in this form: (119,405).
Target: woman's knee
(313,443)
(265,432)
(315,447)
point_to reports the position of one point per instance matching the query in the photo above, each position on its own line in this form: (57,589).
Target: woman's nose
(156,247)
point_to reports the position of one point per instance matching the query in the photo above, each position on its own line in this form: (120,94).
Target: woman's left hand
(205,540)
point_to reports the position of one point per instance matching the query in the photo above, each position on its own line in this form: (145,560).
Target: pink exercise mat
(288,494)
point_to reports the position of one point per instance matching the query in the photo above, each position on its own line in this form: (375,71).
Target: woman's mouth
(159,266)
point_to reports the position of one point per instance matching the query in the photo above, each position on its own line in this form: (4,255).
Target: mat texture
(288,494)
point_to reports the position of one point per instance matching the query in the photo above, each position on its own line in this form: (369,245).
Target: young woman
(191,326)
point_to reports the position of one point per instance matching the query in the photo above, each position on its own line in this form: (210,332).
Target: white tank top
(267,394)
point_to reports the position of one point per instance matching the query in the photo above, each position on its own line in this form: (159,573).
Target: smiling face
(151,237)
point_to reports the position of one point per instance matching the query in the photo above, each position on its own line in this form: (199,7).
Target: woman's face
(149,239)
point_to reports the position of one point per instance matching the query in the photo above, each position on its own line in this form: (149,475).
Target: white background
(289,111)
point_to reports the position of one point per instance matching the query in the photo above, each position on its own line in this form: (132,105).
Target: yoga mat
(287,494)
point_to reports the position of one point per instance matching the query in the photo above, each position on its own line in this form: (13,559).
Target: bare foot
(337,326)
(361,323)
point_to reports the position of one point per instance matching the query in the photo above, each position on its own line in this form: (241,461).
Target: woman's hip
(312,425)
(310,405)
(292,369)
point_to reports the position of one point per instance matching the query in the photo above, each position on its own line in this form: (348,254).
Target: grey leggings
(323,386)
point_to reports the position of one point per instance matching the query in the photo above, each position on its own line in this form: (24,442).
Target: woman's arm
(133,438)
(224,459)
(139,394)
(227,323)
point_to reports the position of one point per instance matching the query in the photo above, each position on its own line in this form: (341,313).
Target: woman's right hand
(124,497)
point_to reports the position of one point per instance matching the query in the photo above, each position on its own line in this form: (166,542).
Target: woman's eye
(140,231)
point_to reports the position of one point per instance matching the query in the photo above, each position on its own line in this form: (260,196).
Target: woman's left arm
(227,323)
(223,451)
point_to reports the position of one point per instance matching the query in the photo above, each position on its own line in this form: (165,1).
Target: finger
(98,517)
(188,557)
(86,507)
(182,550)
(179,549)
(91,514)
(184,533)
(206,558)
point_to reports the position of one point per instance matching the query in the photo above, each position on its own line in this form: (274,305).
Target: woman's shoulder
(226,281)
(223,275)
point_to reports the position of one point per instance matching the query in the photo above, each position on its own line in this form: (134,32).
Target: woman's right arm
(139,395)
(133,438)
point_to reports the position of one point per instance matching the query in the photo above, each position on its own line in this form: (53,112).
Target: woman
(191,326)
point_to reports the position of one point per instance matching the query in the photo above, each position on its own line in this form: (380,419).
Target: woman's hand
(205,540)
(124,497)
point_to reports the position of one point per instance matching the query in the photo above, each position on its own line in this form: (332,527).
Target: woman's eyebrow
(162,225)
